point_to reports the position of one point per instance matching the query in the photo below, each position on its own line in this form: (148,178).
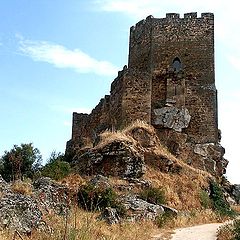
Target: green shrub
(56,170)
(236,229)
(153,195)
(205,199)
(92,198)
(219,203)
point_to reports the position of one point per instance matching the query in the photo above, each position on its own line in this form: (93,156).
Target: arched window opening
(177,65)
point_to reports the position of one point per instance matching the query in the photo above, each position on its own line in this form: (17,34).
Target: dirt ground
(200,232)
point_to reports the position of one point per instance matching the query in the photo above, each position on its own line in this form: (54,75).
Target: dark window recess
(177,65)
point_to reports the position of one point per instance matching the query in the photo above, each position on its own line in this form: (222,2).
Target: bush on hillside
(219,203)
(56,168)
(153,195)
(205,199)
(93,198)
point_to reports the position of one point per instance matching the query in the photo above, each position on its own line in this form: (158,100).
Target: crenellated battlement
(173,17)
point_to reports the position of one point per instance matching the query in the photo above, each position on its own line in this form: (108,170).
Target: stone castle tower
(170,83)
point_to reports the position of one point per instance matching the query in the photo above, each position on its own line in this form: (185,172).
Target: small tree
(56,167)
(21,161)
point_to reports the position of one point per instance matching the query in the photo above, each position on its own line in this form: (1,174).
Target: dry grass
(236,208)
(225,233)
(86,227)
(194,217)
(109,136)
(139,124)
(181,190)
(73,181)
(22,187)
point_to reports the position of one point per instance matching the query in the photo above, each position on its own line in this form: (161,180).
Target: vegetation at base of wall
(92,198)
(153,195)
(56,167)
(219,203)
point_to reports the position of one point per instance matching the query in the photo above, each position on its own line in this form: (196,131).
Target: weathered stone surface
(24,212)
(114,159)
(19,212)
(202,149)
(236,193)
(100,181)
(172,117)
(139,209)
(110,215)
(52,196)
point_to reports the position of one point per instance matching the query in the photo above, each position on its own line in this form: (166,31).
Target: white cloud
(143,8)
(61,57)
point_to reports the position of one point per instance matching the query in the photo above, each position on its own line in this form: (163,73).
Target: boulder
(116,158)
(172,117)
(19,212)
(52,196)
(236,193)
(110,215)
(138,209)
(100,181)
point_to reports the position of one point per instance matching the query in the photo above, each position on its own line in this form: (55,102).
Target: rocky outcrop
(118,158)
(19,212)
(52,196)
(23,213)
(236,193)
(172,117)
(138,209)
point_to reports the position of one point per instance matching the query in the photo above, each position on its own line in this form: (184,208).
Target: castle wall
(136,102)
(190,39)
(150,81)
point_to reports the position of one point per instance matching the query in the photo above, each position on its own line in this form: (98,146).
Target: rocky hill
(127,176)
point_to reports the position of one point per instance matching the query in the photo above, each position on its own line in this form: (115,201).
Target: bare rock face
(52,196)
(114,159)
(172,117)
(110,215)
(19,212)
(212,156)
(24,212)
(236,192)
(139,209)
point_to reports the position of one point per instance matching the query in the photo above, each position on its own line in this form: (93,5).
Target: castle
(170,83)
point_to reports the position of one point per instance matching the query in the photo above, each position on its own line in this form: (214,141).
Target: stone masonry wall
(169,83)
(191,40)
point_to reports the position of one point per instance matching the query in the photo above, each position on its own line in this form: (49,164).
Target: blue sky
(60,56)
